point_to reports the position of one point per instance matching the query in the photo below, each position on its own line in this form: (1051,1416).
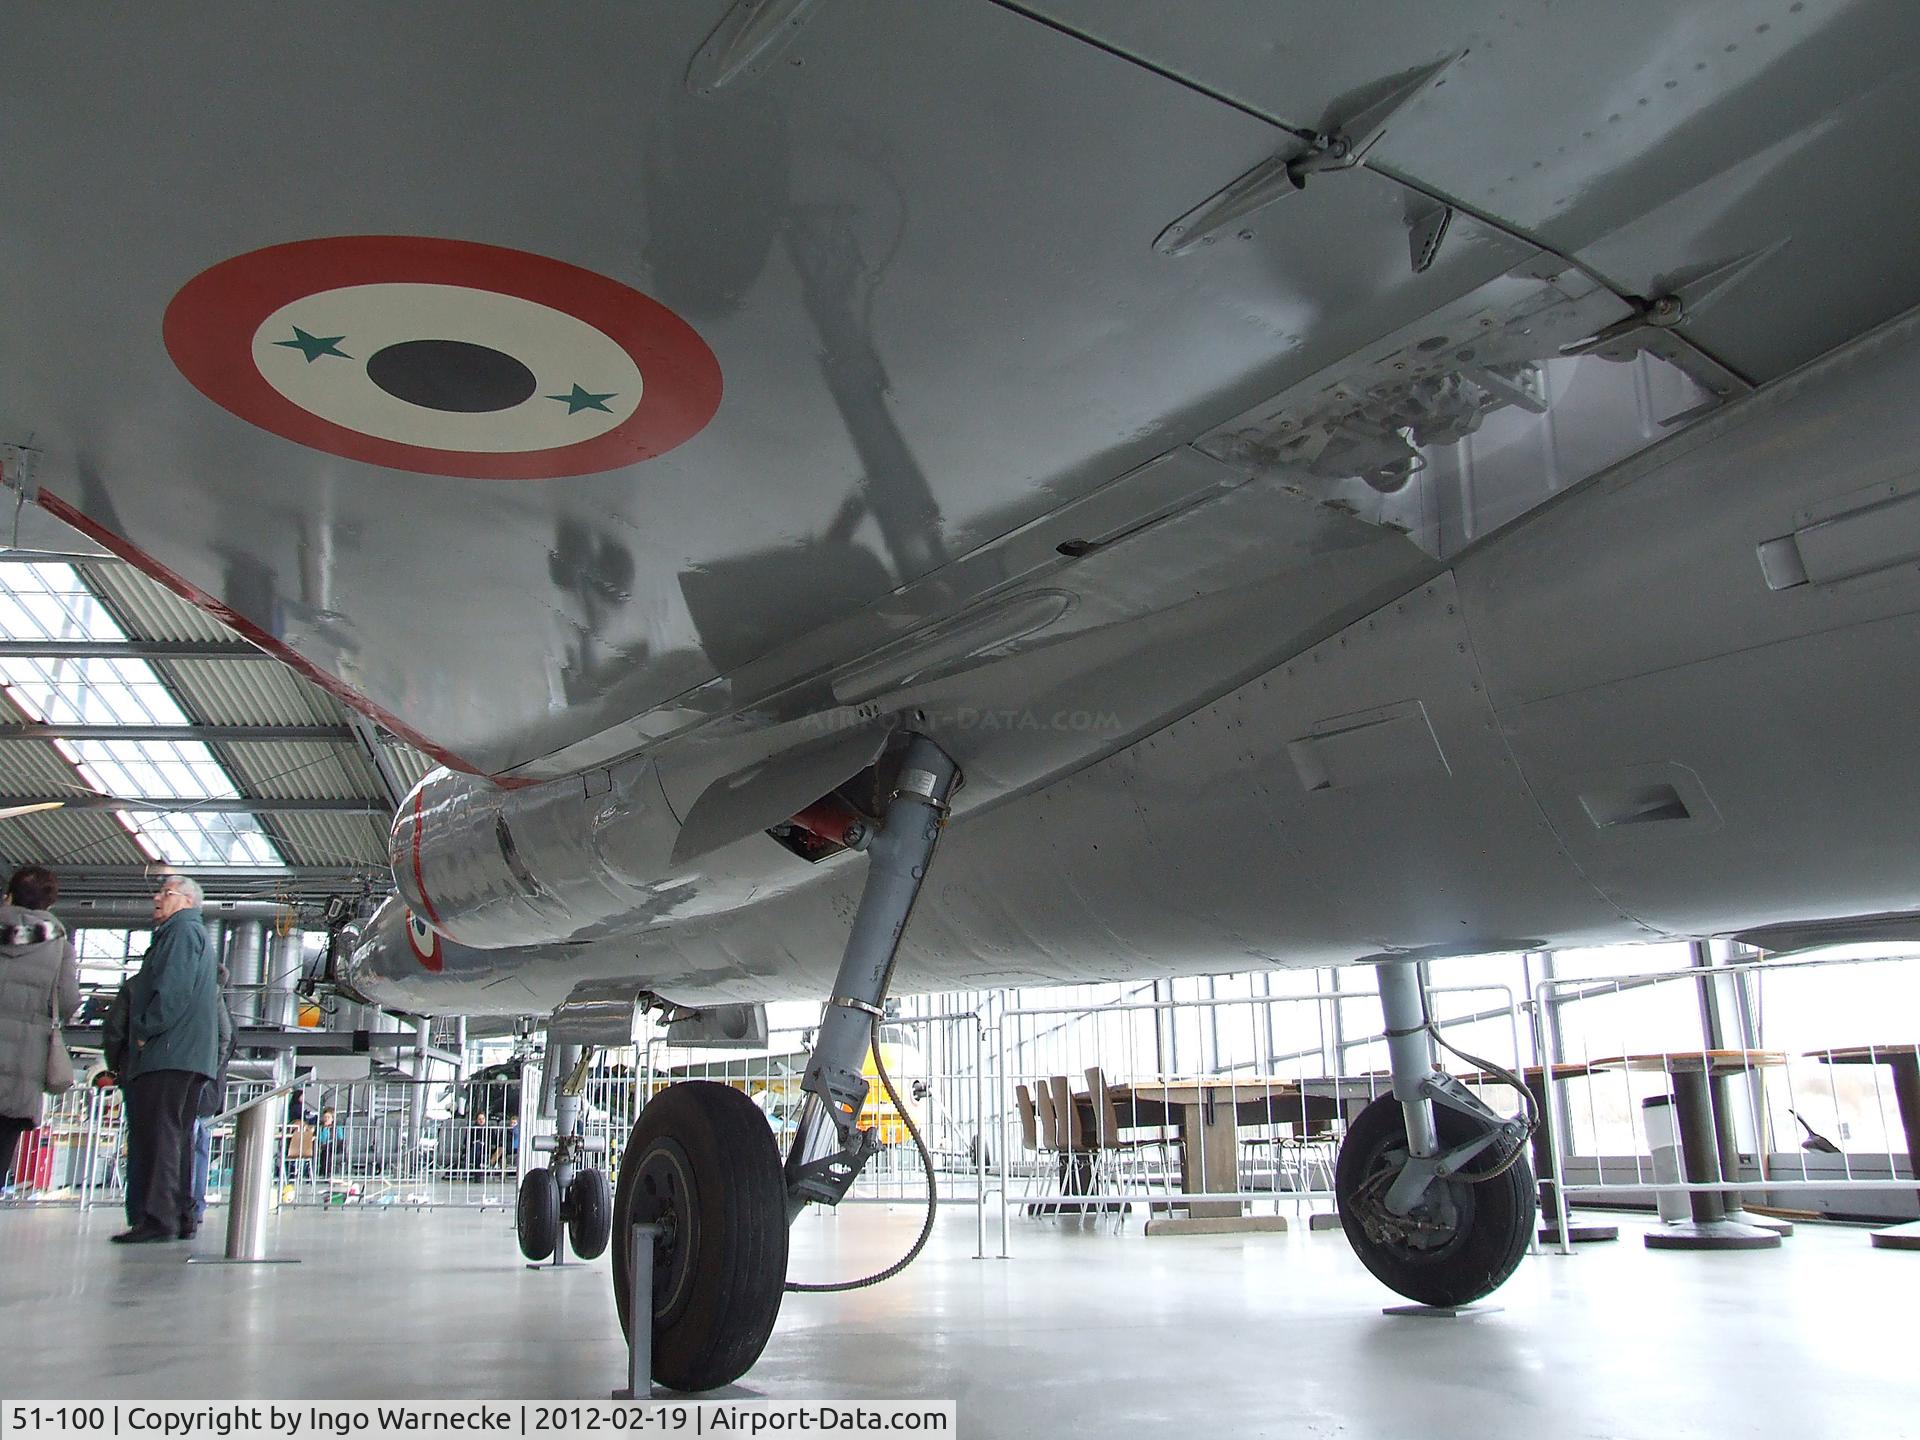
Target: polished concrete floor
(1083,1332)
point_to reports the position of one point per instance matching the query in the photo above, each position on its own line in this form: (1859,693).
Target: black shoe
(142,1235)
(187,1232)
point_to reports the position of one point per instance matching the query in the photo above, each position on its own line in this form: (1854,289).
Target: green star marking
(580,400)
(314,346)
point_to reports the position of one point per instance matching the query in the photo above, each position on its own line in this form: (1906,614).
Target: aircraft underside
(1534,747)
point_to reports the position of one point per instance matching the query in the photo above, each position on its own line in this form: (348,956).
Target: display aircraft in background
(1263,484)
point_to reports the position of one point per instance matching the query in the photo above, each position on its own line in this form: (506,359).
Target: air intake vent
(1634,805)
(1393,744)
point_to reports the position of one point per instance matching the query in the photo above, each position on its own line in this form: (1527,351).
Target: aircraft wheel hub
(666,1195)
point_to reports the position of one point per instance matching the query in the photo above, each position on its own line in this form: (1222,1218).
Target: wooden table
(1208,1113)
(1692,1073)
(1904,1061)
(1353,1092)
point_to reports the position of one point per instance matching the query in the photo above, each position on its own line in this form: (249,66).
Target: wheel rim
(665,1195)
(1433,1230)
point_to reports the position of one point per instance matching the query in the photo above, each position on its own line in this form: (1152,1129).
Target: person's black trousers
(136,1200)
(11,1129)
(160,1110)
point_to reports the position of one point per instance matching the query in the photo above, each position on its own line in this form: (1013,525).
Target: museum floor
(1083,1332)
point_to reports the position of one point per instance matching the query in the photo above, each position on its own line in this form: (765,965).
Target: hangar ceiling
(169,743)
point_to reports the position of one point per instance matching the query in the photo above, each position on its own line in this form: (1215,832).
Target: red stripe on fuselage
(419,880)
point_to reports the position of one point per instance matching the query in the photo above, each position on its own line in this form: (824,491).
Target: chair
(1029,1118)
(1112,1149)
(1077,1152)
(1292,1150)
(1030,1136)
(1049,1142)
(1307,1161)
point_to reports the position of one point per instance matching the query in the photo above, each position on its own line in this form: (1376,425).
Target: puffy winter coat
(36,969)
(173,1003)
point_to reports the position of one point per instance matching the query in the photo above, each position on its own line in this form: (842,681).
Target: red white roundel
(424,941)
(443,357)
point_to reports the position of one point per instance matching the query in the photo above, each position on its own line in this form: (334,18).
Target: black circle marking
(451,375)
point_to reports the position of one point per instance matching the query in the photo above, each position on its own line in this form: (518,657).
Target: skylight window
(91,692)
(50,602)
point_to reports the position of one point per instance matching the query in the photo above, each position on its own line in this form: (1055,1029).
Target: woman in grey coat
(37,975)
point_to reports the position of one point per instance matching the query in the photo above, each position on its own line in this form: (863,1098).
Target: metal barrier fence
(1211,1107)
(426,1143)
(1788,1087)
(938,1066)
(1219,1108)
(371,1142)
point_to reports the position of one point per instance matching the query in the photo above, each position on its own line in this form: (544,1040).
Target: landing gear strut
(829,1148)
(1434,1188)
(701,1162)
(568,1194)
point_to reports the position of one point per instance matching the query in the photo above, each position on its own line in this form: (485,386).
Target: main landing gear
(567,1193)
(1434,1188)
(701,1162)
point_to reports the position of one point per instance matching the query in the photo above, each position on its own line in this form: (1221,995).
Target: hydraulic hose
(933,1192)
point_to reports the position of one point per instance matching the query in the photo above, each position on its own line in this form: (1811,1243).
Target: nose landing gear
(568,1194)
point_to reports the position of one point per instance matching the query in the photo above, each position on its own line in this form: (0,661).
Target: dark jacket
(213,1098)
(37,974)
(173,1003)
(115,1036)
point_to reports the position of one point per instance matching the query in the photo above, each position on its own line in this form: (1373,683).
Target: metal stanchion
(640,1314)
(981,1157)
(90,1150)
(250,1197)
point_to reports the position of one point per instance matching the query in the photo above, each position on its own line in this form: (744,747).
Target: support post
(246,969)
(828,1147)
(640,1314)
(286,959)
(981,1152)
(1710,1229)
(417,1095)
(251,1194)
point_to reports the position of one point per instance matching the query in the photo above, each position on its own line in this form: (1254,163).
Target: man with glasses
(174,1034)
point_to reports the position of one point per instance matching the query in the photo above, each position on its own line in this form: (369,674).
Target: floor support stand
(640,1314)
(251,1194)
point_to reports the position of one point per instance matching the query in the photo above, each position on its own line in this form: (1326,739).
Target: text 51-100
(57,1417)
(662,1418)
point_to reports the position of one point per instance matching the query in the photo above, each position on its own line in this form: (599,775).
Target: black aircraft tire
(589,1214)
(1495,1217)
(702,1161)
(536,1214)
